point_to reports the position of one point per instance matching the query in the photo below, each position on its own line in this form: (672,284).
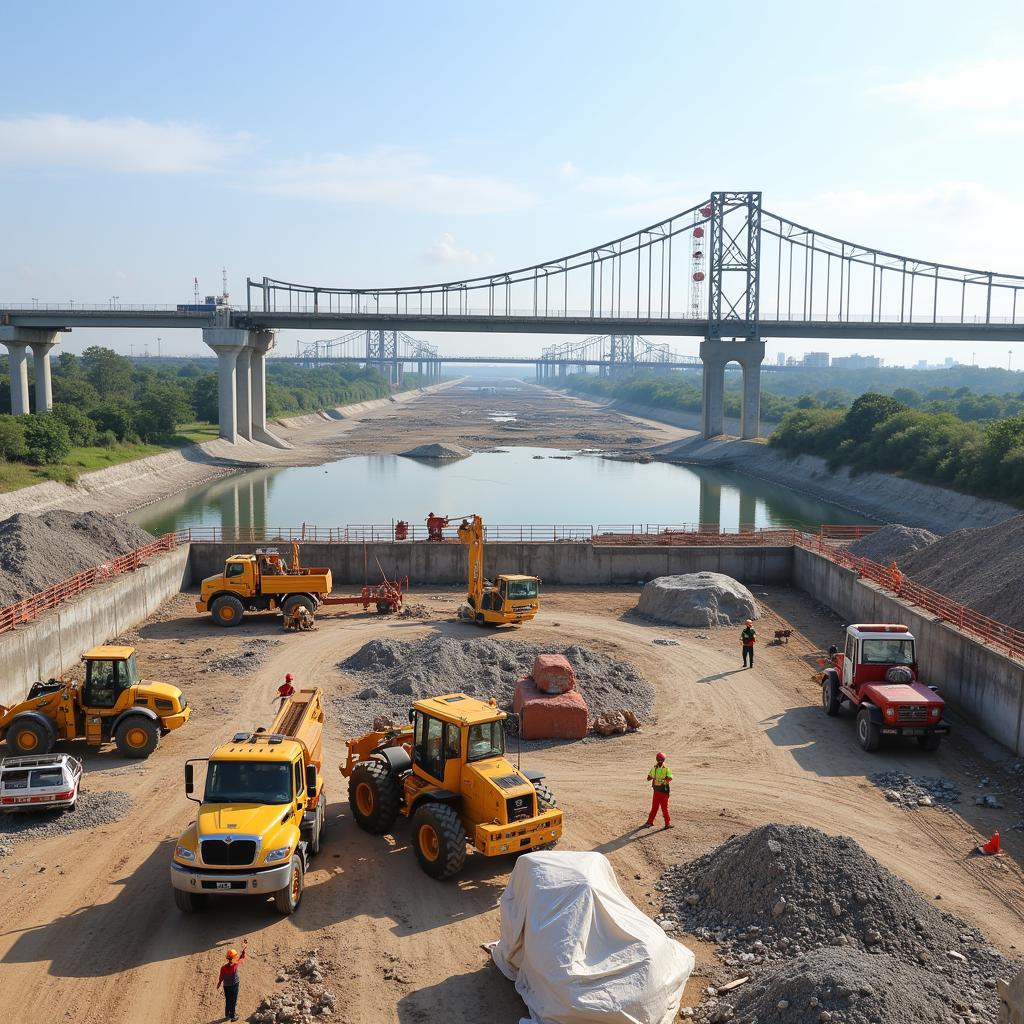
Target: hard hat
(750,622)
(232,954)
(660,756)
(288,677)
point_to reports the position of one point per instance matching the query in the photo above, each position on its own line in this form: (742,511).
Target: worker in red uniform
(748,637)
(660,777)
(285,690)
(230,980)
(435,528)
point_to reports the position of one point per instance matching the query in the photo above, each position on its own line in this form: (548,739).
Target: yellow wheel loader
(112,703)
(447,772)
(511,598)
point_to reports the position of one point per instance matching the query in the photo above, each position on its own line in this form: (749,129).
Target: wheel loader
(447,772)
(112,703)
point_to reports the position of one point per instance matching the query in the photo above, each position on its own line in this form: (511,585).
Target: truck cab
(877,673)
(262,813)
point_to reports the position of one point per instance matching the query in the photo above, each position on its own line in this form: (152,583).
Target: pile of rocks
(94,808)
(911,792)
(795,910)
(892,543)
(697,599)
(253,653)
(305,997)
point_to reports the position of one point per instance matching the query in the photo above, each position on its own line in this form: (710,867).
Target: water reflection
(513,486)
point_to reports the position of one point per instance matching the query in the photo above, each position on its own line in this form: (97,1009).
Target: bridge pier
(17,341)
(716,354)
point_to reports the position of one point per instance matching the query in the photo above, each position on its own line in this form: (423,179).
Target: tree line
(105,399)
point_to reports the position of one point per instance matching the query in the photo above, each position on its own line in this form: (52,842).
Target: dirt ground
(90,933)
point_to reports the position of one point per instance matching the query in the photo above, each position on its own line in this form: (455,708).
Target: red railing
(828,543)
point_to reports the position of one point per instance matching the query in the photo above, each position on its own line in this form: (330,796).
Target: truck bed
(315,582)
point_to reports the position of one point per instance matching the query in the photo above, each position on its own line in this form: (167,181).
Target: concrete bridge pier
(18,340)
(260,343)
(227,342)
(716,354)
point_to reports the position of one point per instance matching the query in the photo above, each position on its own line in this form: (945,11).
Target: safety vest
(661,774)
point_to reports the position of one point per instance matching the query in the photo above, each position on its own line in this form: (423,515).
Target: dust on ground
(746,748)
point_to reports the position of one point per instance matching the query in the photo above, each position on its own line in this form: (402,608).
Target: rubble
(911,792)
(305,997)
(94,808)
(253,653)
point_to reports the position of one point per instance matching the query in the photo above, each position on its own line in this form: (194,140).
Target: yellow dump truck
(112,703)
(262,813)
(262,581)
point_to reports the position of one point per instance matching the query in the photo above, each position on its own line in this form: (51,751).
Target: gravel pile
(782,892)
(253,653)
(38,551)
(393,674)
(437,450)
(304,997)
(979,568)
(99,808)
(912,792)
(892,543)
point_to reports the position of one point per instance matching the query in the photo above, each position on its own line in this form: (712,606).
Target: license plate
(223,885)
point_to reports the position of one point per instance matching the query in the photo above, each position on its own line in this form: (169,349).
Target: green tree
(81,429)
(115,418)
(12,438)
(46,439)
(163,406)
(109,373)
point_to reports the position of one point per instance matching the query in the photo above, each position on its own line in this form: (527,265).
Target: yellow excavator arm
(471,533)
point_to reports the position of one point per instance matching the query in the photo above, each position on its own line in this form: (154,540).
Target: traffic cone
(992,846)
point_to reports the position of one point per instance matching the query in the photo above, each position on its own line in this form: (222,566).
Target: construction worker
(285,690)
(230,980)
(660,777)
(748,637)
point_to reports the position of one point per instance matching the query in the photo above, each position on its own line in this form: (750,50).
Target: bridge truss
(386,351)
(612,353)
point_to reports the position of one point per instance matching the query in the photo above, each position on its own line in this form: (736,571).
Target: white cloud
(392,176)
(568,169)
(124,144)
(988,85)
(446,251)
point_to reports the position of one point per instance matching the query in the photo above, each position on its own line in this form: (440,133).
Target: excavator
(510,598)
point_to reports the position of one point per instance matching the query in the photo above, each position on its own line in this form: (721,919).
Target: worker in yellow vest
(660,777)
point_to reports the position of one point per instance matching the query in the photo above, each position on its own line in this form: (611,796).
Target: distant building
(792,361)
(780,359)
(922,364)
(949,361)
(818,360)
(857,362)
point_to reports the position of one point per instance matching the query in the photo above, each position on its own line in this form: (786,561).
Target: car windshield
(248,782)
(519,590)
(487,740)
(887,652)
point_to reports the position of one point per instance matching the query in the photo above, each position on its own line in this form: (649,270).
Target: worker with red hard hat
(285,690)
(660,777)
(230,980)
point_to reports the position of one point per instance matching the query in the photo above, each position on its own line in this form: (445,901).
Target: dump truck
(511,598)
(447,772)
(262,814)
(112,703)
(262,581)
(877,673)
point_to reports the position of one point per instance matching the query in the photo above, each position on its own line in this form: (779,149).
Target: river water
(537,486)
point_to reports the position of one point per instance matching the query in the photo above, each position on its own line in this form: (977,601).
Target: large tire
(33,735)
(868,732)
(439,840)
(384,608)
(545,798)
(287,900)
(227,610)
(318,827)
(374,796)
(137,736)
(189,902)
(930,741)
(831,698)
(291,604)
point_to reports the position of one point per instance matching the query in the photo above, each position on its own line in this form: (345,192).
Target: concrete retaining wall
(981,684)
(555,563)
(53,643)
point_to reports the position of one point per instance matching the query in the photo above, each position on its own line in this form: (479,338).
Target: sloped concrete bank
(53,643)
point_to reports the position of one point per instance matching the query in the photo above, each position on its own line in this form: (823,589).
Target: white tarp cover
(579,951)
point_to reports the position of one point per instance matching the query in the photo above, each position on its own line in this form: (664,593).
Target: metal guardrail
(828,542)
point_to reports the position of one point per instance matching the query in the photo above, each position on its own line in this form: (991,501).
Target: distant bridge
(767,276)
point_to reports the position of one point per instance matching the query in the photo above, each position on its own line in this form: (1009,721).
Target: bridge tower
(733,309)
(382,353)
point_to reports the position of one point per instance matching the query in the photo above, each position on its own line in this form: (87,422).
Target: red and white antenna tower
(697,246)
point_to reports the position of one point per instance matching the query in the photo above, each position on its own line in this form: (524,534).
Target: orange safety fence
(827,542)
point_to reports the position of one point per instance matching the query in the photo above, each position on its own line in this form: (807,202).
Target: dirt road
(90,933)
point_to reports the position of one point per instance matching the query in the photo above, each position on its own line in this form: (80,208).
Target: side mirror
(412,715)
(190,780)
(310,781)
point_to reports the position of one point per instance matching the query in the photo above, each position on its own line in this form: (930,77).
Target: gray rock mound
(697,599)
(436,451)
(892,543)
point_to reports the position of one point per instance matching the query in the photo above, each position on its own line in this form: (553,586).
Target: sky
(362,145)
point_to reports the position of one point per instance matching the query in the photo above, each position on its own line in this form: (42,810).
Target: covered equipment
(579,951)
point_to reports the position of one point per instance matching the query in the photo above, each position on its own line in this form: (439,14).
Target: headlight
(279,854)
(890,712)
(184,853)
(935,712)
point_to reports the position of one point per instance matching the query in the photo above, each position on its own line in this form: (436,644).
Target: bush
(80,427)
(107,439)
(12,438)
(115,418)
(46,438)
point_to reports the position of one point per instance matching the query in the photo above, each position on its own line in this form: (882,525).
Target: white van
(40,782)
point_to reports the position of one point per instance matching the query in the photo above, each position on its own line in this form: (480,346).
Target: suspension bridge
(766,276)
